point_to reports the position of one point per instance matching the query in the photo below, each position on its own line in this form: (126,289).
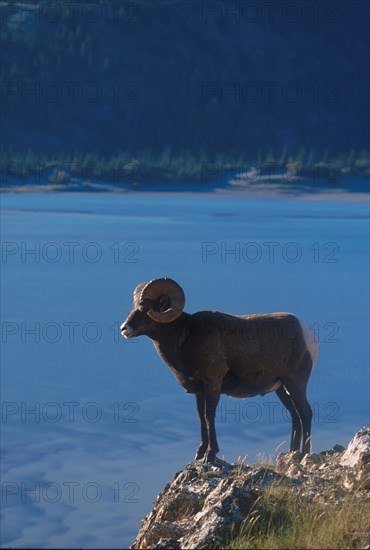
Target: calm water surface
(93,426)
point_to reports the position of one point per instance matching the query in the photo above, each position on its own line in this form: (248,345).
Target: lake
(94,426)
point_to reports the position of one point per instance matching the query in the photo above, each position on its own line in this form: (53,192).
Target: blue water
(94,426)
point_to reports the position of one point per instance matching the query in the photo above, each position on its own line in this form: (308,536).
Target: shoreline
(275,193)
(348,187)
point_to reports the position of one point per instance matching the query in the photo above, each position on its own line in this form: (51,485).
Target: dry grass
(281,519)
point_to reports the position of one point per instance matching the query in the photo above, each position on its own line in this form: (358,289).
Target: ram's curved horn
(137,294)
(170,293)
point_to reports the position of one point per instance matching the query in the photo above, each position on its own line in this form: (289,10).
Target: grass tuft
(283,519)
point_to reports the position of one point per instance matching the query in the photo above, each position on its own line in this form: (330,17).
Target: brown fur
(211,353)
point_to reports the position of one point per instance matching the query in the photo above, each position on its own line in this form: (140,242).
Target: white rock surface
(358,450)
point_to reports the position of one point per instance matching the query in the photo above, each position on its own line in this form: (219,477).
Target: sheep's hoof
(209,456)
(201,451)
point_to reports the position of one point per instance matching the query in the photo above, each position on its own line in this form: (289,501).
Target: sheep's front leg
(212,397)
(201,407)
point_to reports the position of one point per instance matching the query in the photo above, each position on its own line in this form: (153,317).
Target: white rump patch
(312,341)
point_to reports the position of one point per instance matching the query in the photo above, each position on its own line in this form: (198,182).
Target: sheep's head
(159,301)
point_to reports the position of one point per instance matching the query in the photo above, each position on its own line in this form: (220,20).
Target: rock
(206,504)
(339,448)
(285,460)
(295,471)
(202,505)
(329,452)
(358,450)
(312,461)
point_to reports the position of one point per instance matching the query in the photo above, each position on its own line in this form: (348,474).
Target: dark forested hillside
(213,76)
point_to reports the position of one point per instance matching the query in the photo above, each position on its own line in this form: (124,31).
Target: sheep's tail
(312,341)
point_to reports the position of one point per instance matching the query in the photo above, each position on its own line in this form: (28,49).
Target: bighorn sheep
(211,353)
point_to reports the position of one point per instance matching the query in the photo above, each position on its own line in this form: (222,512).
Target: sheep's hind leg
(201,407)
(295,441)
(297,389)
(298,395)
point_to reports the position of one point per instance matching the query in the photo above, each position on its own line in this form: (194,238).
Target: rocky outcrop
(205,504)
(358,451)
(201,504)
